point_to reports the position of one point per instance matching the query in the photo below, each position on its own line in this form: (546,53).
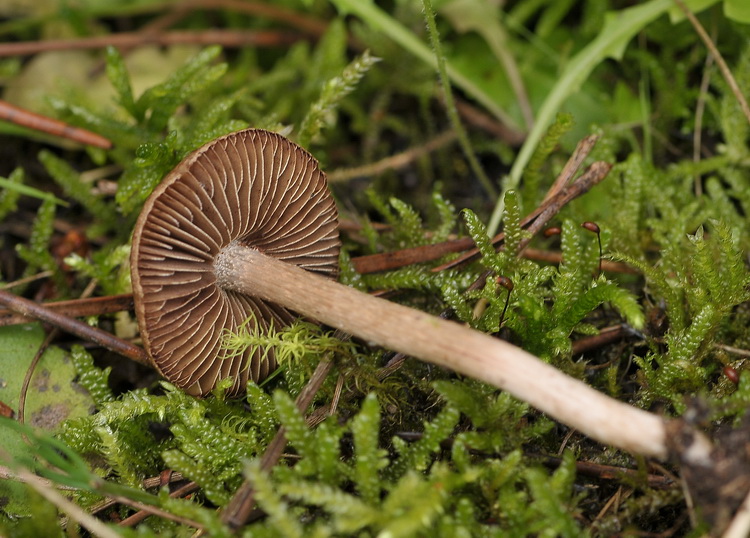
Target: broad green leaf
(378,19)
(52,396)
(484,18)
(620,27)
(737,10)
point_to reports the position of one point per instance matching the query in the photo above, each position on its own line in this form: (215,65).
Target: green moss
(419,451)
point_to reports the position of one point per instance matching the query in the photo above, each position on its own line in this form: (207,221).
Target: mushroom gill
(252,188)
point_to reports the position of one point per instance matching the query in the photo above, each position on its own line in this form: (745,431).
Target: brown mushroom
(209,247)
(254,189)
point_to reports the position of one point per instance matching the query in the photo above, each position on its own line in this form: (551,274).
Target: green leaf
(333,93)
(478,233)
(120,79)
(94,380)
(297,431)
(512,224)
(619,28)
(737,10)
(37,253)
(369,459)
(485,19)
(379,20)
(52,396)
(71,182)
(14,187)
(280,516)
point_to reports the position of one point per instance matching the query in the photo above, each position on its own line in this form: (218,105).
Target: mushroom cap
(252,187)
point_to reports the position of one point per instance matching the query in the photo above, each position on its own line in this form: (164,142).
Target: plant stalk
(444,343)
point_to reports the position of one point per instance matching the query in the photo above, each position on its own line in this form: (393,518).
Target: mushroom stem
(246,270)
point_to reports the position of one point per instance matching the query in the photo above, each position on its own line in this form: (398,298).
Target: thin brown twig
(73,326)
(336,395)
(75,308)
(385,261)
(241,506)
(544,213)
(606,336)
(734,350)
(478,118)
(30,372)
(581,152)
(38,356)
(723,67)
(551,256)
(594,175)
(394,162)
(155,510)
(44,124)
(225,38)
(610,472)
(373,263)
(156,26)
(400,258)
(26,280)
(140,515)
(304,23)
(150,482)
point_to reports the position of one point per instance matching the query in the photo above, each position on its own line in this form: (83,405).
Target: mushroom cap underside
(252,187)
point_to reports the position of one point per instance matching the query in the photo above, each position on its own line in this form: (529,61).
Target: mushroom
(245,225)
(253,189)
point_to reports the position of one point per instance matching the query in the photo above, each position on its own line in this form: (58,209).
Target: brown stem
(550,256)
(302,22)
(133,520)
(574,163)
(723,67)
(29,119)
(606,336)
(443,343)
(393,162)
(478,118)
(558,197)
(226,38)
(542,215)
(386,261)
(156,26)
(610,472)
(242,503)
(33,310)
(75,308)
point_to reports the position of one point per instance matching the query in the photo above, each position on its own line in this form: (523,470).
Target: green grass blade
(620,27)
(378,19)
